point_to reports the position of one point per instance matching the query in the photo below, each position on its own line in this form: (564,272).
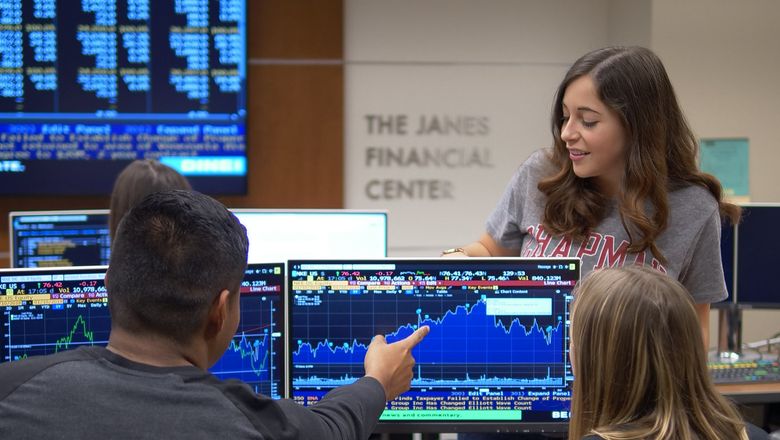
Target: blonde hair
(136,181)
(639,363)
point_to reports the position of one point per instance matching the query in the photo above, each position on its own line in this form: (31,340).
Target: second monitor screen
(497,347)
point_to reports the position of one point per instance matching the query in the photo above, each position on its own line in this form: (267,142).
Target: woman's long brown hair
(136,181)
(661,151)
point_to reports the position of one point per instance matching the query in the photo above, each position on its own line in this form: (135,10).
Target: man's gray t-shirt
(690,243)
(92,393)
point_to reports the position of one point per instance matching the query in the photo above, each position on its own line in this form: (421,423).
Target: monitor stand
(730,345)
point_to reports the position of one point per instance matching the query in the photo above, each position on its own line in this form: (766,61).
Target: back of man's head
(172,255)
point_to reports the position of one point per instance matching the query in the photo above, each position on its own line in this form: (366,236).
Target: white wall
(501,59)
(496,62)
(723,58)
(629,22)
(465,31)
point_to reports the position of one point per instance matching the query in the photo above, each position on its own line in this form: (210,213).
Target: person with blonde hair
(639,364)
(136,181)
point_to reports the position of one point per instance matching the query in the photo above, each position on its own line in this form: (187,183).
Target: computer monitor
(757,246)
(59,238)
(727,256)
(279,235)
(47,310)
(81,237)
(496,357)
(256,354)
(86,87)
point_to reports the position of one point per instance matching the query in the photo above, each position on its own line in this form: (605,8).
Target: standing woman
(136,181)
(620,185)
(640,366)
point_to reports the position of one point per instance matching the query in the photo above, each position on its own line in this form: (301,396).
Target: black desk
(759,403)
(751,393)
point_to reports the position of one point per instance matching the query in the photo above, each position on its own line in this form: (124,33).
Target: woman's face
(594,136)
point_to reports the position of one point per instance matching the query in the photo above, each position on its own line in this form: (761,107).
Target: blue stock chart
(49,310)
(256,353)
(497,347)
(52,310)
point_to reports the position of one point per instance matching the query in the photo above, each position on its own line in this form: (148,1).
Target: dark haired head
(136,181)
(172,255)
(633,83)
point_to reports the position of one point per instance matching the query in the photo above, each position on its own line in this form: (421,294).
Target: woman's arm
(703,310)
(484,247)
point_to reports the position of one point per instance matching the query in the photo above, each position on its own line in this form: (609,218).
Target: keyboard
(759,371)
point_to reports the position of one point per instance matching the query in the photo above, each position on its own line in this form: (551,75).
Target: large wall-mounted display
(86,87)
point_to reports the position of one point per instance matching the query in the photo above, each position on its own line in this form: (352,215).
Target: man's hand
(392,364)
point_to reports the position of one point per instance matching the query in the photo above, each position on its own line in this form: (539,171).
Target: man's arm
(347,412)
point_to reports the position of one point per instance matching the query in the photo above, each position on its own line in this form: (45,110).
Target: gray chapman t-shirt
(690,243)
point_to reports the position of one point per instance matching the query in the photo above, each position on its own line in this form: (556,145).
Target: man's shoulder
(45,361)
(20,371)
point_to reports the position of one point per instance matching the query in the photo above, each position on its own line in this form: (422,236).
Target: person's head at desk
(173,286)
(136,181)
(176,266)
(639,363)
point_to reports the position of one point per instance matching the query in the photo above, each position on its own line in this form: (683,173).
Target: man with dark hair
(176,266)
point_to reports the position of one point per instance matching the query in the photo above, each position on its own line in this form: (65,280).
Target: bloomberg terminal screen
(86,86)
(498,343)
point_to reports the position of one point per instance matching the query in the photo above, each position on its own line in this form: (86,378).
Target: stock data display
(59,238)
(498,341)
(256,353)
(49,310)
(88,86)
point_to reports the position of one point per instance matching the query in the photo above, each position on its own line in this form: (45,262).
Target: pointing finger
(416,337)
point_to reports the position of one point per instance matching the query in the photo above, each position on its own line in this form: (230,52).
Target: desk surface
(767,392)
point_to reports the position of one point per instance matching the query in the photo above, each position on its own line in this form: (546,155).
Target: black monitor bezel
(59,269)
(317,212)
(12,239)
(112,167)
(403,426)
(283,380)
(283,364)
(742,303)
(728,227)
